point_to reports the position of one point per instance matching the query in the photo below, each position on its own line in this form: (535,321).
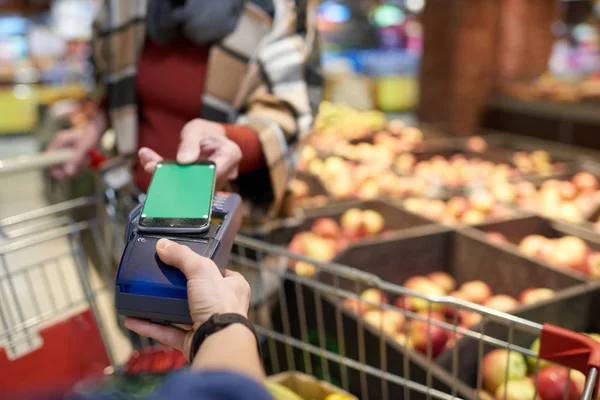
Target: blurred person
(199,79)
(226,362)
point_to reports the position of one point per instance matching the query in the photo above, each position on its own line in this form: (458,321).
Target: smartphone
(179,199)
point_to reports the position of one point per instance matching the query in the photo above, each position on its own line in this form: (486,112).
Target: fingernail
(163,244)
(185,157)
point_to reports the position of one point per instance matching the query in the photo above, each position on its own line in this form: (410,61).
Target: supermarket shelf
(576,112)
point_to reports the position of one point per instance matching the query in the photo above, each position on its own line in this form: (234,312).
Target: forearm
(231,349)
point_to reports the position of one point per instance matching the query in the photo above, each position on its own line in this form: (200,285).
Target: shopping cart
(47,281)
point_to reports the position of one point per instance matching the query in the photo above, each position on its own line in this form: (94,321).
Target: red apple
(374,296)
(326,228)
(450,311)
(569,212)
(522,389)
(469,319)
(477,291)
(525,189)
(548,249)
(534,295)
(373,222)
(394,317)
(504,192)
(585,182)
(298,245)
(592,265)
(476,144)
(552,384)
(443,279)
(425,335)
(355,305)
(496,237)
(501,302)
(494,368)
(531,245)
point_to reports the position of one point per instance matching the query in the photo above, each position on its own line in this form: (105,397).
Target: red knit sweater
(170,83)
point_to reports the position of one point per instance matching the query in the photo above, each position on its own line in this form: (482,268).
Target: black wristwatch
(216,323)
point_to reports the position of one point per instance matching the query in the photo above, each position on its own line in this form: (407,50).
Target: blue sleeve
(212,385)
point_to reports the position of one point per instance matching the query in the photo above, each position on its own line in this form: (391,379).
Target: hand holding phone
(179,199)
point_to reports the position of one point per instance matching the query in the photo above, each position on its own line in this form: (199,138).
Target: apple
(531,245)
(299,189)
(473,217)
(494,368)
(504,192)
(341,244)
(567,190)
(523,162)
(522,389)
(501,302)
(525,189)
(372,297)
(592,264)
(569,212)
(534,295)
(476,144)
(413,282)
(585,182)
(368,190)
(326,228)
(434,209)
(403,340)
(450,311)
(496,237)
(379,320)
(425,335)
(457,205)
(373,222)
(305,269)
(413,205)
(425,288)
(355,305)
(320,249)
(481,201)
(570,251)
(469,319)
(477,291)
(552,384)
(548,249)
(443,279)
(405,163)
(533,361)
(351,221)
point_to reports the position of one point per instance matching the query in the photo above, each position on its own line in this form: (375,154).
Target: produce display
(328,237)
(339,121)
(567,252)
(568,200)
(549,87)
(477,208)
(510,375)
(419,333)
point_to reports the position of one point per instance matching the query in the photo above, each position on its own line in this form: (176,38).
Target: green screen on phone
(180,192)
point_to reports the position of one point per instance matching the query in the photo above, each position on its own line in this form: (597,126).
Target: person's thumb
(186,260)
(189,148)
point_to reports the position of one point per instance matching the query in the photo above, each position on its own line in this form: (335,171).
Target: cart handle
(573,350)
(37,161)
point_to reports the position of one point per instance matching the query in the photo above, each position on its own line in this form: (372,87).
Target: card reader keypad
(219,201)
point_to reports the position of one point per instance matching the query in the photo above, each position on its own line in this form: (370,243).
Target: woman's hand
(81,140)
(202,140)
(208,293)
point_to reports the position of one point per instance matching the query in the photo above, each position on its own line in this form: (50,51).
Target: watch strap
(216,323)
